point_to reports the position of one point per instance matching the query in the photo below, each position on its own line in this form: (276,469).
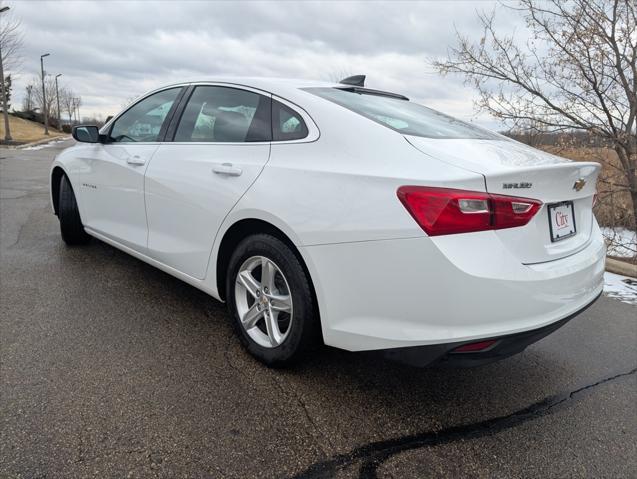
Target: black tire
(305,332)
(70,223)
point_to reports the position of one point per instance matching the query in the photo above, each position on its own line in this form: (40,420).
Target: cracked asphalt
(111,368)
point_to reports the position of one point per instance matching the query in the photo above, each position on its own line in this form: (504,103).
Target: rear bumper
(380,295)
(444,355)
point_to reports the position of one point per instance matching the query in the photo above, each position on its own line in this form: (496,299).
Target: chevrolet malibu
(339,214)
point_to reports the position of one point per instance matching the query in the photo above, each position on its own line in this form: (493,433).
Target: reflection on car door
(112,177)
(220,146)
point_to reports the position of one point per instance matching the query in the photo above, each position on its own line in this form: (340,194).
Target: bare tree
(11,41)
(577,71)
(28,102)
(49,86)
(67,101)
(77,103)
(10,47)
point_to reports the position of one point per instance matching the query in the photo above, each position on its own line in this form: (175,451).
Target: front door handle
(135,160)
(226,169)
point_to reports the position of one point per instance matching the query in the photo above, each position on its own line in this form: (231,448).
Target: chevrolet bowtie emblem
(579,184)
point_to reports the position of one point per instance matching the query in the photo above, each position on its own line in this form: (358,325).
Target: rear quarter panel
(342,187)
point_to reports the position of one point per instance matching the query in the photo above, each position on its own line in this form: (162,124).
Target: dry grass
(25,131)
(614,206)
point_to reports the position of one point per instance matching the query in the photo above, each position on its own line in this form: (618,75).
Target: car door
(112,177)
(220,145)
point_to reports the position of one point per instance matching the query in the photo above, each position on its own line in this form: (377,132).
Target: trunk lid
(512,168)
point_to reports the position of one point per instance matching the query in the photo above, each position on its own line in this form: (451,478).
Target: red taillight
(475,347)
(444,211)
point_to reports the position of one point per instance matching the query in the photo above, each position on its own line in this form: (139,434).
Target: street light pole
(57,95)
(5,112)
(44,108)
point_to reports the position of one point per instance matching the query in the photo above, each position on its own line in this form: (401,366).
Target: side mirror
(86,133)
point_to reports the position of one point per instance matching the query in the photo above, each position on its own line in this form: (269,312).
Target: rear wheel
(70,223)
(270,297)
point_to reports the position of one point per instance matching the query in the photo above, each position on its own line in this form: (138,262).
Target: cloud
(109,52)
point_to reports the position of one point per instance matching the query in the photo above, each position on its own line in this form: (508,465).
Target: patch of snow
(621,242)
(44,145)
(620,287)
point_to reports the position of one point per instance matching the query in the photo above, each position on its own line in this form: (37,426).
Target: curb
(41,142)
(621,267)
(36,143)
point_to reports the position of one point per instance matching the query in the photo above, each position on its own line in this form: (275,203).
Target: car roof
(277,86)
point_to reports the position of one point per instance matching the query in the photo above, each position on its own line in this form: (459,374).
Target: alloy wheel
(264,301)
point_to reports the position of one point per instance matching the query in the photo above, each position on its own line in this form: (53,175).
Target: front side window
(286,123)
(403,116)
(225,115)
(144,120)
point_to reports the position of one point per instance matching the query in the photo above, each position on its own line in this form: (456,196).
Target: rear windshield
(403,116)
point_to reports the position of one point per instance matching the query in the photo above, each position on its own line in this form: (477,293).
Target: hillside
(25,131)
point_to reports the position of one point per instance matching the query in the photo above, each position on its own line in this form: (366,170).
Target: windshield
(403,116)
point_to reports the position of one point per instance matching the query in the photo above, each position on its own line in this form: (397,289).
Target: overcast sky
(109,52)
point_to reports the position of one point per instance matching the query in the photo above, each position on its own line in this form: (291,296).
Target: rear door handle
(226,169)
(135,160)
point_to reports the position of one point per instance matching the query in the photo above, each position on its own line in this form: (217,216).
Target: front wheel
(69,215)
(270,297)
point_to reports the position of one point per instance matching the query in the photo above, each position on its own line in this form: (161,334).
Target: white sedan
(337,214)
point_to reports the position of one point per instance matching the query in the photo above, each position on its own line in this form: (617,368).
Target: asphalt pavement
(111,368)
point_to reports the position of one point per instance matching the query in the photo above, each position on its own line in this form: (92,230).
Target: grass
(25,131)
(614,206)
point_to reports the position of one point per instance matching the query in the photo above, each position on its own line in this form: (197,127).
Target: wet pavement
(111,368)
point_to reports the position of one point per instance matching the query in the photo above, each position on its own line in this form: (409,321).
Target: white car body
(380,281)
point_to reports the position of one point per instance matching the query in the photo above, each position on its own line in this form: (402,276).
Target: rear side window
(286,123)
(403,116)
(225,115)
